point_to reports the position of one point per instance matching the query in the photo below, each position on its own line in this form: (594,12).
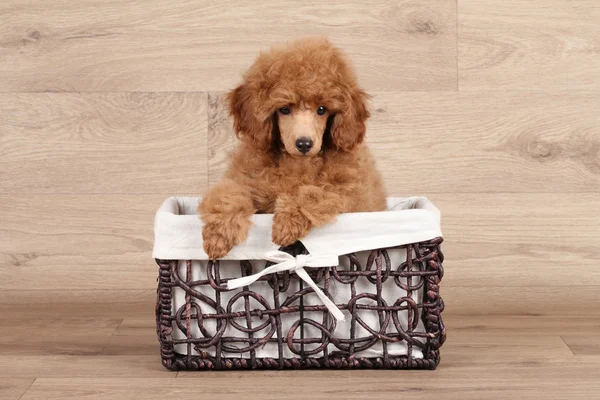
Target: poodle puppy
(300,118)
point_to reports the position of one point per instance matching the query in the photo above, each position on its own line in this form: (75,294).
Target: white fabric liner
(178,236)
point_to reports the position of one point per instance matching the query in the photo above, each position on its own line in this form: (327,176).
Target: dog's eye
(284,110)
(321,110)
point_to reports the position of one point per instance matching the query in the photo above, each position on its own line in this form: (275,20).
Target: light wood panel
(555,381)
(537,44)
(512,160)
(197,46)
(498,240)
(66,306)
(13,388)
(518,142)
(142,366)
(55,343)
(520,239)
(83,242)
(72,335)
(146,344)
(525,323)
(522,300)
(103,143)
(505,356)
(221,138)
(470,347)
(136,334)
(583,345)
(135,325)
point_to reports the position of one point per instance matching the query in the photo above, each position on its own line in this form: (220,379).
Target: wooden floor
(489,108)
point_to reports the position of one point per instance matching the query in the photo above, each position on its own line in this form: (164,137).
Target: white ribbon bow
(287,262)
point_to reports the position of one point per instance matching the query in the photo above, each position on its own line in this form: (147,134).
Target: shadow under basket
(390,299)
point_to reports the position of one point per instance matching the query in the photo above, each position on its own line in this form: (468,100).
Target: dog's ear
(249,123)
(349,124)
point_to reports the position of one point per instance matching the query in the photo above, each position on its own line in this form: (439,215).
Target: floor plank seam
(568,347)
(28,387)
(115,331)
(101,353)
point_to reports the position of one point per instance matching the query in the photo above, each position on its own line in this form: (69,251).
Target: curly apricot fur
(264,176)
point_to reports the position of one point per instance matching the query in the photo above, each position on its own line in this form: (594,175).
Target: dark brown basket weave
(311,352)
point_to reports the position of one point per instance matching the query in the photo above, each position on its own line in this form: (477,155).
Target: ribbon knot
(300,261)
(286,262)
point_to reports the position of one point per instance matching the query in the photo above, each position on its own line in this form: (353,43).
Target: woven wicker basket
(202,325)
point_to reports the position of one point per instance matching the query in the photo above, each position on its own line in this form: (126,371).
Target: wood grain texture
(472,347)
(535,44)
(69,335)
(221,138)
(56,344)
(503,238)
(554,382)
(198,46)
(496,351)
(518,142)
(84,242)
(509,239)
(24,366)
(523,323)
(583,345)
(119,249)
(103,143)
(72,305)
(146,344)
(488,108)
(451,386)
(524,300)
(13,388)
(136,334)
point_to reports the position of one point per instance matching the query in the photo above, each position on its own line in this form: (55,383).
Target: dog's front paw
(289,227)
(216,242)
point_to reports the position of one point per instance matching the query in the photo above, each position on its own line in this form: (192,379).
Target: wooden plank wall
(489,108)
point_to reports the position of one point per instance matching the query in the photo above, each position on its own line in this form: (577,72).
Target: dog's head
(301,99)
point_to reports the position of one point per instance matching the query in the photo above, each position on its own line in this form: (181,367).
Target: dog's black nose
(304,145)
